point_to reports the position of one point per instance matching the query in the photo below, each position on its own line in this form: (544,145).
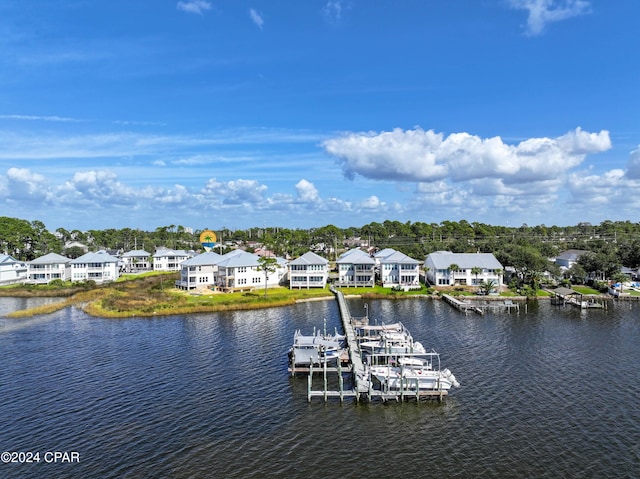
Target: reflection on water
(551,393)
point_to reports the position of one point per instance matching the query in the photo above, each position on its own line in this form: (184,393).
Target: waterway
(553,392)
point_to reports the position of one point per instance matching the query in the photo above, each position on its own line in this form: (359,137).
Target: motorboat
(412,378)
(393,342)
(315,349)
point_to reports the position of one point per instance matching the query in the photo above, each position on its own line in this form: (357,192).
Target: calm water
(551,393)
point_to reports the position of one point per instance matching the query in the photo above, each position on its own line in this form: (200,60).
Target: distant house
(136,261)
(308,271)
(100,267)
(46,268)
(356,268)
(169,259)
(396,269)
(12,270)
(437,266)
(568,258)
(76,244)
(199,271)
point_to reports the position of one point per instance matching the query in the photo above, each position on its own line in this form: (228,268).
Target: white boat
(411,372)
(393,342)
(314,349)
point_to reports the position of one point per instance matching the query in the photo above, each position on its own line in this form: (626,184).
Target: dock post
(309,381)
(325,378)
(340,381)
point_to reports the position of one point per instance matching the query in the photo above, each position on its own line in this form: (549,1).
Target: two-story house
(12,270)
(199,271)
(239,270)
(308,271)
(444,268)
(136,261)
(396,269)
(169,259)
(356,269)
(46,268)
(100,267)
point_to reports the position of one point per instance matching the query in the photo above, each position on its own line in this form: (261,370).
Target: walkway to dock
(476,306)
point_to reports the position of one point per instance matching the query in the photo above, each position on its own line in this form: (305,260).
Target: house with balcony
(396,269)
(241,270)
(470,269)
(11,270)
(100,267)
(356,269)
(169,259)
(308,271)
(46,268)
(136,261)
(199,271)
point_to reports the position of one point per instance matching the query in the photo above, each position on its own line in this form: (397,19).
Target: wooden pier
(354,373)
(481,306)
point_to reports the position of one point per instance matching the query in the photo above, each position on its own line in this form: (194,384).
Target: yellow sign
(208,239)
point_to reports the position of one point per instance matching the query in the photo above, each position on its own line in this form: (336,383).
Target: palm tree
(452,269)
(476,270)
(486,287)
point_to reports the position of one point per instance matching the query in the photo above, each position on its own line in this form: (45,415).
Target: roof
(136,253)
(571,254)
(444,259)
(383,253)
(237,259)
(170,252)
(310,258)
(50,258)
(97,257)
(398,258)
(355,256)
(205,259)
(8,259)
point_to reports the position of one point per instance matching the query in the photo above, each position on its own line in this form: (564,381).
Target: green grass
(585,290)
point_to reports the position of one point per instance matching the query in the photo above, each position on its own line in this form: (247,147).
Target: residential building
(569,257)
(439,273)
(239,269)
(137,261)
(356,268)
(199,271)
(46,268)
(396,269)
(12,270)
(308,271)
(100,267)
(169,259)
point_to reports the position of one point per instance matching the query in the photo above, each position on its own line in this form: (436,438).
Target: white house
(568,258)
(308,271)
(136,261)
(199,271)
(12,270)
(437,266)
(100,267)
(46,268)
(397,269)
(169,259)
(356,268)
(239,269)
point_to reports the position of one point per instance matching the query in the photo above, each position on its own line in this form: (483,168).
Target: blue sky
(232,113)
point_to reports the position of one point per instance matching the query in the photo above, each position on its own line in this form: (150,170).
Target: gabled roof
(310,258)
(97,257)
(571,254)
(136,253)
(170,252)
(355,256)
(383,253)
(51,258)
(398,258)
(205,259)
(238,258)
(444,259)
(6,259)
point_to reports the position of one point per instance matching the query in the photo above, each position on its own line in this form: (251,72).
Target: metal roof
(444,259)
(310,258)
(51,258)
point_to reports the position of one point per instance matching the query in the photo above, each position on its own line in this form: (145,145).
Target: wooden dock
(481,306)
(354,373)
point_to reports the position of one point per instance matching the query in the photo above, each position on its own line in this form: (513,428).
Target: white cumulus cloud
(194,6)
(543,12)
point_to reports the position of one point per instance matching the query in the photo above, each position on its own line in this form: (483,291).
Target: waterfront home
(472,268)
(241,270)
(568,258)
(308,271)
(136,261)
(46,268)
(356,268)
(100,267)
(199,271)
(396,269)
(169,259)
(12,270)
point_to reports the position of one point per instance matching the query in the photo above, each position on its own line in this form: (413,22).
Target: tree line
(528,249)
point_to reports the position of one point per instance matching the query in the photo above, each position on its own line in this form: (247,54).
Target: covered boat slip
(401,374)
(562,296)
